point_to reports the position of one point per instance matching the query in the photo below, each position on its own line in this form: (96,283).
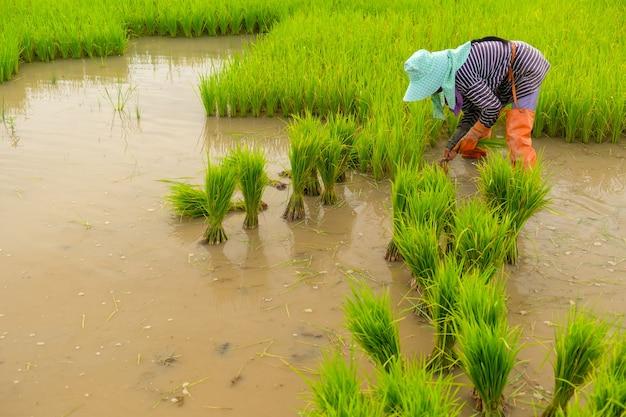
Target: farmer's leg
(519,125)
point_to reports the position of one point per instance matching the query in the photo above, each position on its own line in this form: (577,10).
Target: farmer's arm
(487,104)
(470,115)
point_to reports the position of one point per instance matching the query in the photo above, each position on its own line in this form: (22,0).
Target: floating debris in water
(223,348)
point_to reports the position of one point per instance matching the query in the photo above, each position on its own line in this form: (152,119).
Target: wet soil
(109,305)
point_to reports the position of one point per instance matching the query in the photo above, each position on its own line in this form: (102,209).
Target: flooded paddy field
(110,305)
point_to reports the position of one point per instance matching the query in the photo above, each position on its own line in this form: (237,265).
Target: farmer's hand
(448,155)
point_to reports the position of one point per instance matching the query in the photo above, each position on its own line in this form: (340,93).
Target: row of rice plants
(470,319)
(332,61)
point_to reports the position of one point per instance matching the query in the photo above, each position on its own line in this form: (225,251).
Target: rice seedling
(481,237)
(312,186)
(513,192)
(337,384)
(187,200)
(220,183)
(330,164)
(252,179)
(303,153)
(345,129)
(370,321)
(442,298)
(608,397)
(401,190)
(407,388)
(418,245)
(481,300)
(578,347)
(487,355)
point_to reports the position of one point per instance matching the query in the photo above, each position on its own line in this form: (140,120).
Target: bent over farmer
(479,78)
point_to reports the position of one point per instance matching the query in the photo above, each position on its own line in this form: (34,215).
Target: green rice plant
(330,164)
(513,192)
(442,298)
(578,347)
(312,186)
(370,321)
(345,128)
(480,236)
(481,300)
(220,183)
(303,153)
(409,389)
(337,384)
(608,397)
(402,188)
(250,167)
(187,200)
(487,355)
(418,245)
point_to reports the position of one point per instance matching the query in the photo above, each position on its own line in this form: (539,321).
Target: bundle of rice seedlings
(608,397)
(440,194)
(344,127)
(487,355)
(514,192)
(418,245)
(220,183)
(330,165)
(442,298)
(250,166)
(303,153)
(187,200)
(480,237)
(337,384)
(578,347)
(481,300)
(370,320)
(409,389)
(312,186)
(401,190)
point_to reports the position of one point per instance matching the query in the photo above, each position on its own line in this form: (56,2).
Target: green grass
(402,188)
(372,325)
(220,183)
(481,300)
(578,347)
(250,167)
(418,244)
(513,192)
(609,383)
(487,355)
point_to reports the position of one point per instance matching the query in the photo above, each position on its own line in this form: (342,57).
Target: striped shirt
(483,80)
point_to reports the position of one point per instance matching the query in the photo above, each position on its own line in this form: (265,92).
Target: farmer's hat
(428,71)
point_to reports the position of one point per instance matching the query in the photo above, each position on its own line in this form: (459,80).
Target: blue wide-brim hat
(429,71)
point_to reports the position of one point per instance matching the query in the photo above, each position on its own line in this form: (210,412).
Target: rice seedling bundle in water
(513,192)
(303,154)
(609,393)
(344,127)
(418,245)
(250,167)
(481,300)
(442,298)
(487,355)
(578,347)
(187,200)
(370,321)
(330,164)
(409,389)
(401,190)
(220,183)
(481,237)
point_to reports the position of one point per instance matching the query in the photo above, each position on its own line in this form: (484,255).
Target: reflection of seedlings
(54,79)
(137,113)
(236,380)
(9,125)
(167,360)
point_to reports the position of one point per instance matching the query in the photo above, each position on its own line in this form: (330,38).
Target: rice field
(331,248)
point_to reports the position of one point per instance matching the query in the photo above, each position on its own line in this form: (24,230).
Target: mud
(110,306)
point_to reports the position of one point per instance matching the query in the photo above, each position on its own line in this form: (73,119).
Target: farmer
(480,78)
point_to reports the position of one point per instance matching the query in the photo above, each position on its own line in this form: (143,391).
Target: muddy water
(110,306)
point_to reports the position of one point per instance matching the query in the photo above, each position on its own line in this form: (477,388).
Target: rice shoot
(370,321)
(578,347)
(220,183)
(250,166)
(330,165)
